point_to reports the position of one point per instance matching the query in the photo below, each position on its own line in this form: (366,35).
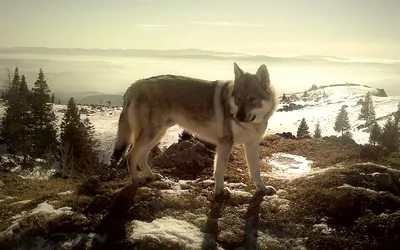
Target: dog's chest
(243,132)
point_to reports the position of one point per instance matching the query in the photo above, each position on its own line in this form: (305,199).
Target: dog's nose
(241,117)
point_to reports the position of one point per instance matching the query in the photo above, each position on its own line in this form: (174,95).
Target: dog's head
(253,97)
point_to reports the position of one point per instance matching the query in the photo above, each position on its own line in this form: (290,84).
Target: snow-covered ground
(325,111)
(288,166)
(322,110)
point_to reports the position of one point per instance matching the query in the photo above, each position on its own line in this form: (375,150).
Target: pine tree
(397,116)
(376,134)
(79,136)
(302,129)
(342,123)
(390,136)
(52,99)
(44,134)
(397,124)
(317,131)
(284,98)
(7,83)
(16,128)
(367,110)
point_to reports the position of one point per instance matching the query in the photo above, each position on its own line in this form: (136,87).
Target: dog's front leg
(220,163)
(253,161)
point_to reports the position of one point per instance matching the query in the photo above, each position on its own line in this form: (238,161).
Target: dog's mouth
(247,120)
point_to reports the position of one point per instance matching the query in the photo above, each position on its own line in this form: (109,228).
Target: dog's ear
(238,71)
(263,75)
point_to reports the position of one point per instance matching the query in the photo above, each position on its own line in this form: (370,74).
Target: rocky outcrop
(292,106)
(286,135)
(187,158)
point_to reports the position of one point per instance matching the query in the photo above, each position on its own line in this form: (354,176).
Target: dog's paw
(267,190)
(139,182)
(154,177)
(157,177)
(223,192)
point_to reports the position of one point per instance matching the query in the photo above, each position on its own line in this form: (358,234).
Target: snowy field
(324,111)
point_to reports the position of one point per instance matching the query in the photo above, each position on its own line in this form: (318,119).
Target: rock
(370,152)
(2,184)
(292,106)
(286,135)
(387,182)
(347,140)
(156,205)
(274,204)
(187,158)
(90,186)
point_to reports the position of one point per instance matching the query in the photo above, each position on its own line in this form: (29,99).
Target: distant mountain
(116,100)
(187,54)
(83,94)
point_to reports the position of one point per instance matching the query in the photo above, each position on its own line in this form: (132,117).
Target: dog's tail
(123,135)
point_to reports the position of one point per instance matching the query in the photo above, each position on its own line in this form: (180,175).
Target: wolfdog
(222,112)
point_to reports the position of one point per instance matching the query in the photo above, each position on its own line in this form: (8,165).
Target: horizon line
(277,55)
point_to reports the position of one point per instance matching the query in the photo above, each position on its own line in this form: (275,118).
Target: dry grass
(240,220)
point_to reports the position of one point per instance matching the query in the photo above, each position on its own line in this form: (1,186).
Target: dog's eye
(252,99)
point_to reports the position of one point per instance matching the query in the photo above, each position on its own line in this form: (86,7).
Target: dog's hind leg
(143,157)
(144,141)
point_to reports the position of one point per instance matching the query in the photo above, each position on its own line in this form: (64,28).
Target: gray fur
(225,113)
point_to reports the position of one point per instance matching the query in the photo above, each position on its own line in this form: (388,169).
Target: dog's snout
(241,116)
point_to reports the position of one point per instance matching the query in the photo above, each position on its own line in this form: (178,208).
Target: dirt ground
(346,202)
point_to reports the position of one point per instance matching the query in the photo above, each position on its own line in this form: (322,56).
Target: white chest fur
(245,132)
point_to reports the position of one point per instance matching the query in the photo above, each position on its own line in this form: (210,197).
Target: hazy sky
(354,28)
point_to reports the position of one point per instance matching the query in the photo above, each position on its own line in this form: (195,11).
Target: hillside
(323,109)
(358,204)
(357,191)
(315,108)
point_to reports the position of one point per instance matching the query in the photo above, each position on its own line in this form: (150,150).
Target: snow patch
(66,192)
(173,192)
(167,229)
(241,193)
(42,208)
(344,186)
(39,171)
(288,166)
(21,202)
(323,228)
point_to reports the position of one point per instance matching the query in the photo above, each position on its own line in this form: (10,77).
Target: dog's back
(160,102)
(222,112)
